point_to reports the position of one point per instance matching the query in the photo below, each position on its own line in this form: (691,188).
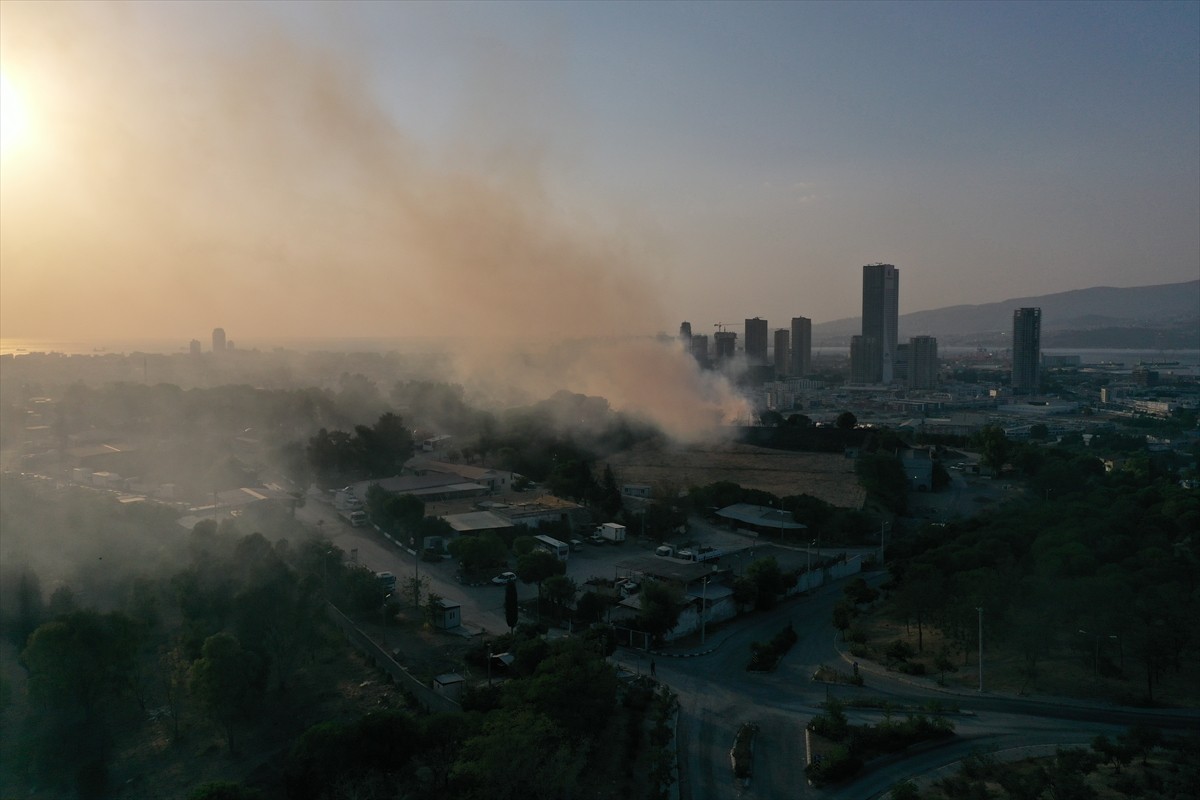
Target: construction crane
(720,326)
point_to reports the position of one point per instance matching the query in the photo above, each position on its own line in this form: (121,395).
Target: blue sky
(745,159)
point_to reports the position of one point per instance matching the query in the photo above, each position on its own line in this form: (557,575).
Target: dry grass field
(827,476)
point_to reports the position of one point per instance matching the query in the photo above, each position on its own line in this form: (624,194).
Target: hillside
(1167,314)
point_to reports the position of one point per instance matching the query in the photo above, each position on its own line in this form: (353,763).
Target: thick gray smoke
(172,181)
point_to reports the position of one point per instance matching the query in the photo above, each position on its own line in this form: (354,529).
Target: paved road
(717,694)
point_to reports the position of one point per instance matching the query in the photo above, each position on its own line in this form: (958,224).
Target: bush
(899,650)
(911,667)
(837,766)
(764,657)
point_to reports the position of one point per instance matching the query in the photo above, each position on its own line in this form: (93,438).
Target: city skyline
(390,170)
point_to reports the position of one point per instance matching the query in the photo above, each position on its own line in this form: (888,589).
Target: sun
(14,121)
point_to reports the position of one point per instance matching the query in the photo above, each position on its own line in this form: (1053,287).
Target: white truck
(611,531)
(700,555)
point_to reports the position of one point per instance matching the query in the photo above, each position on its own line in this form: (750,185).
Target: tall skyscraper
(194,347)
(699,347)
(782,354)
(880,314)
(1026,350)
(801,346)
(725,343)
(756,341)
(864,359)
(685,333)
(900,364)
(922,362)
(218,342)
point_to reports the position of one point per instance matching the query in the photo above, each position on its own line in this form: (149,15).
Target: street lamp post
(416,574)
(1096,657)
(979,610)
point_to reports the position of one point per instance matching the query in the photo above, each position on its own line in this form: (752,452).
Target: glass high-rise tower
(1026,350)
(880,315)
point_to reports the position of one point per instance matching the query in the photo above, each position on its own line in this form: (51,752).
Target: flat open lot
(827,476)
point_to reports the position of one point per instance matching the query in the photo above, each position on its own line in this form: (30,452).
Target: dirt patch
(669,470)
(422,650)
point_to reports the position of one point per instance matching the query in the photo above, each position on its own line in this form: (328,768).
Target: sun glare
(14,122)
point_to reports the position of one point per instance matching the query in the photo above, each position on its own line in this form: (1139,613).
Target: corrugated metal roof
(763,516)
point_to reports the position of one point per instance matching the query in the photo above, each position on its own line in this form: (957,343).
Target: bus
(560,550)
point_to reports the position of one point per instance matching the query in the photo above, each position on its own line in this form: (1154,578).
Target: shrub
(899,650)
(836,766)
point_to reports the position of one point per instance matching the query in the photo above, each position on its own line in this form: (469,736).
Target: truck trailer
(611,531)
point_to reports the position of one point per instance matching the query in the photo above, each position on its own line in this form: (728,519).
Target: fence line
(425,696)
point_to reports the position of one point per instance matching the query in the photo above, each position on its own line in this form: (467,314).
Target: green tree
(512,610)
(846,421)
(224,790)
(882,475)
(662,603)
(994,447)
(590,608)
(538,565)
(80,660)
(770,419)
(607,497)
(843,617)
(478,554)
(361,592)
(768,581)
(519,755)
(28,612)
(280,614)
(228,681)
(921,593)
(433,608)
(560,592)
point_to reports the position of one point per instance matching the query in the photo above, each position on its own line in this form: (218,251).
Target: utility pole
(703,607)
(979,609)
(416,575)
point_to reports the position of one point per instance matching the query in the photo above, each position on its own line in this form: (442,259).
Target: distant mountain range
(1144,317)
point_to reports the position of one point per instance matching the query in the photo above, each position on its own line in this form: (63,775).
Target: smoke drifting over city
(261,186)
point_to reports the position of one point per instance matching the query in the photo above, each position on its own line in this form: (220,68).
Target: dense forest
(235,649)
(1100,564)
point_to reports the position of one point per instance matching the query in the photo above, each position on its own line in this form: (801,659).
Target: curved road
(717,694)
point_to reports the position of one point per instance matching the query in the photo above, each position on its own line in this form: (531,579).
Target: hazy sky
(388,169)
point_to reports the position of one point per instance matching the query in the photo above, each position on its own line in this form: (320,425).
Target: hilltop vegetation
(1094,572)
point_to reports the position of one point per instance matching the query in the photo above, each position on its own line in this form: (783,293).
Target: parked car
(504,577)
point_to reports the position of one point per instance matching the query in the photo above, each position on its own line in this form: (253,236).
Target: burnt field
(827,476)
